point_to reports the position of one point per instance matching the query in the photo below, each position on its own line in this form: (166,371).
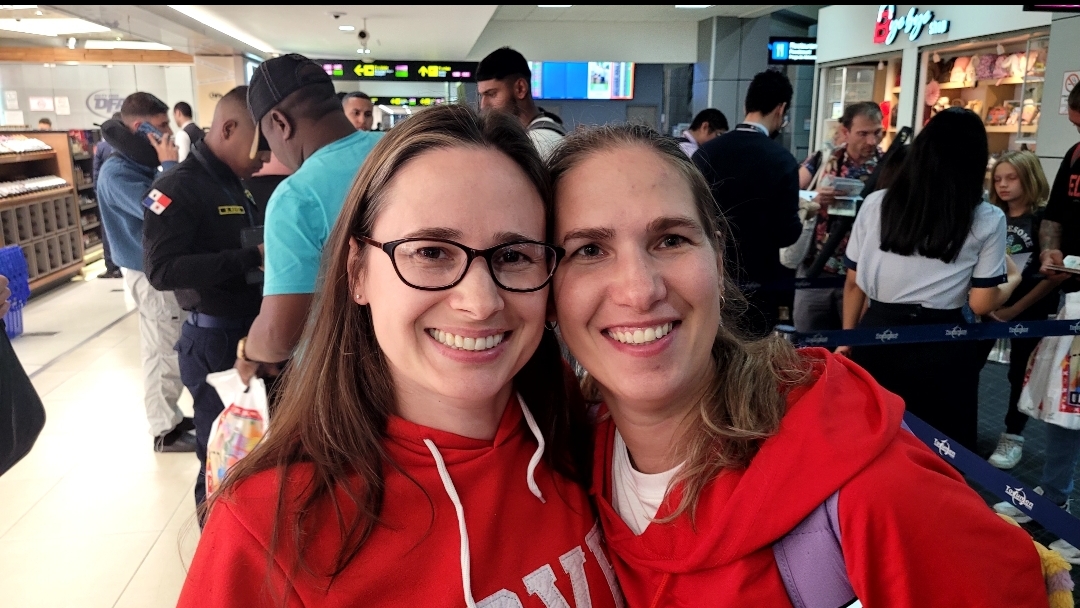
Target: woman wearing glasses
(710,449)
(426,451)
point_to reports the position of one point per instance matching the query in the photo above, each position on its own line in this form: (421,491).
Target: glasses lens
(523,265)
(429,263)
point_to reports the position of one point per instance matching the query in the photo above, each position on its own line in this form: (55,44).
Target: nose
(875,138)
(477,293)
(637,283)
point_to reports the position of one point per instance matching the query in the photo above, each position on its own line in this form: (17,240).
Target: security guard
(201,240)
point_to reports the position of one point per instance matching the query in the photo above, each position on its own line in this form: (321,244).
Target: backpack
(553,124)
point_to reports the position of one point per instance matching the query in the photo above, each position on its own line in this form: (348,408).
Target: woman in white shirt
(919,251)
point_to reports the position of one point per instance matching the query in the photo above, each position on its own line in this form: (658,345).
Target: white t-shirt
(183,143)
(896,279)
(545,140)
(636,496)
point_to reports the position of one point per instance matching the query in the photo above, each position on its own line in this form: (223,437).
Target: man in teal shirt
(296,109)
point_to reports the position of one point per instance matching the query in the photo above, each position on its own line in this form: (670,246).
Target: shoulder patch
(156,201)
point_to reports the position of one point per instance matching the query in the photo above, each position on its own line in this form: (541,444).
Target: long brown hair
(340,393)
(1032,180)
(747,396)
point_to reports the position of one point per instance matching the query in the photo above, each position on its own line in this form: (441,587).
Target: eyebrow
(589,234)
(434,233)
(510,237)
(661,224)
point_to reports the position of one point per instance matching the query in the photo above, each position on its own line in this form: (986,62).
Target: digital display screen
(408,101)
(399,71)
(792,51)
(1053,8)
(582,80)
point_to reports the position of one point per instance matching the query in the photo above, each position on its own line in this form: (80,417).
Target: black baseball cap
(276,79)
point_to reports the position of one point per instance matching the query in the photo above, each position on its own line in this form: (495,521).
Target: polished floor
(92,517)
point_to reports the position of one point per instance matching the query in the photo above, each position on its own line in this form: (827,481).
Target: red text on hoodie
(913,534)
(522,552)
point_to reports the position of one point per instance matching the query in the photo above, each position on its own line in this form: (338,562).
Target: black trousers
(1019,352)
(204,351)
(939,381)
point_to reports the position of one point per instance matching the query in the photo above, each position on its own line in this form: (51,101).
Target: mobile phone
(150,129)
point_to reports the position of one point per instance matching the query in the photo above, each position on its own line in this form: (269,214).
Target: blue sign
(792,51)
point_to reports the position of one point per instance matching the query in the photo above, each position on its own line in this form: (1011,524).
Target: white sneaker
(1008,451)
(1070,553)
(1008,508)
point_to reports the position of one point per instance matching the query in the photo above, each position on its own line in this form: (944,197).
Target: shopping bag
(1051,390)
(22,416)
(238,428)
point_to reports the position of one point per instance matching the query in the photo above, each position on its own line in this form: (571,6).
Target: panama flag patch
(156,201)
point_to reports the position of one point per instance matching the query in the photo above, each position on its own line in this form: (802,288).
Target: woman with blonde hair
(711,449)
(1020,190)
(426,450)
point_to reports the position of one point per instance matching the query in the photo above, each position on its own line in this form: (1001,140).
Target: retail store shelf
(83,156)
(955,85)
(85,186)
(88,206)
(33,197)
(93,253)
(896,90)
(90,226)
(58,275)
(19,158)
(1011,129)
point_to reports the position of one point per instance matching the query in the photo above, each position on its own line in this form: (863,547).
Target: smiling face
(638,294)
(466,343)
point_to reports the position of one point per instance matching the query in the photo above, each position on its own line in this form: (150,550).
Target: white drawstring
(448,485)
(451,491)
(530,476)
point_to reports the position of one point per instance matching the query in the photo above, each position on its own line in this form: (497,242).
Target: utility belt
(205,321)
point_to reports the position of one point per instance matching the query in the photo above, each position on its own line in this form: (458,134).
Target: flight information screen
(582,80)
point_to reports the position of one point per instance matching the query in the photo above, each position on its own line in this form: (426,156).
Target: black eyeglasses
(437,264)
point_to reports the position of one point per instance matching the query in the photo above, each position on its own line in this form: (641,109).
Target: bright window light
(51,27)
(210,20)
(692,5)
(346,28)
(108,45)
(554,5)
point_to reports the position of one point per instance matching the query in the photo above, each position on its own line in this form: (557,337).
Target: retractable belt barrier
(945,332)
(793,284)
(1001,484)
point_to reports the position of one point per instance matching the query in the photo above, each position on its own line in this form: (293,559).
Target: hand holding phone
(163,144)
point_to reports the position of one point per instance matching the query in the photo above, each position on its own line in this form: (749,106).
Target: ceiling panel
(631,13)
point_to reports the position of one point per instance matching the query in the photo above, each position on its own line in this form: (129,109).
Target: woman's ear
(356,273)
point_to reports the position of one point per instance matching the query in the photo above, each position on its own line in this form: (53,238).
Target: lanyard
(249,201)
(752,128)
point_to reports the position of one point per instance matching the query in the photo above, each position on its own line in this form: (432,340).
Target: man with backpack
(504,83)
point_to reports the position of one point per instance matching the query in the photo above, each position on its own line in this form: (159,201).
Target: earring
(723,302)
(551,325)
(358,295)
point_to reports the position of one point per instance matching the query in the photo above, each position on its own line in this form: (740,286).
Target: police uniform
(192,246)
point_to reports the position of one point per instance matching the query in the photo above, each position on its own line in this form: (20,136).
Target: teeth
(641,336)
(463,343)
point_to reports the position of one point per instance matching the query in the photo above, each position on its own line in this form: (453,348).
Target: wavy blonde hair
(747,397)
(1032,179)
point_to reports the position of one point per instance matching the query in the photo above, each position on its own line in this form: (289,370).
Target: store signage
(104,103)
(888,25)
(399,71)
(408,101)
(792,51)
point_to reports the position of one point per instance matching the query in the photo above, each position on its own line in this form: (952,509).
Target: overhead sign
(104,103)
(409,101)
(889,25)
(399,71)
(792,51)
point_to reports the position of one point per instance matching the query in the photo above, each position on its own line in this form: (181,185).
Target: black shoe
(186,424)
(175,441)
(111,274)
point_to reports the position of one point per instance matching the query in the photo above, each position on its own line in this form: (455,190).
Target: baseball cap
(276,79)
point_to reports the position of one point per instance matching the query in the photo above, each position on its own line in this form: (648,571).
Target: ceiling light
(51,27)
(554,5)
(347,28)
(205,17)
(38,13)
(132,45)
(16,7)
(692,5)
(71,43)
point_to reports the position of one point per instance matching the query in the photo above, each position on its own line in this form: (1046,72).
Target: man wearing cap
(504,83)
(295,107)
(204,246)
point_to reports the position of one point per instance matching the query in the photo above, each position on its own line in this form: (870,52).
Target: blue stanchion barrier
(945,332)
(793,284)
(1000,483)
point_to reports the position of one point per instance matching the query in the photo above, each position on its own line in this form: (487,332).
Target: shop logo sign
(944,448)
(1019,497)
(104,103)
(886,336)
(888,25)
(956,332)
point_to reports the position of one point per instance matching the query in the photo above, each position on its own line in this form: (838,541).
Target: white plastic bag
(1051,392)
(240,426)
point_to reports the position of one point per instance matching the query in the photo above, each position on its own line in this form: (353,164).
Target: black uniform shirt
(191,237)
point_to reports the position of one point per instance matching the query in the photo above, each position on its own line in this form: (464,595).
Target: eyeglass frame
(470,255)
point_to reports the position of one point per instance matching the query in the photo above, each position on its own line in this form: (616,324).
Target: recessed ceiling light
(108,45)
(205,17)
(692,5)
(346,28)
(38,13)
(51,27)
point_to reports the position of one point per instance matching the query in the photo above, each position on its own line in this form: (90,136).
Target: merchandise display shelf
(26,157)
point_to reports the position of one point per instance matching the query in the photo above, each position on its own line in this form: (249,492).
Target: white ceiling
(648,33)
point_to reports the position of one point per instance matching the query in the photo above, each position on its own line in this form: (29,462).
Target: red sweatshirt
(913,534)
(521,552)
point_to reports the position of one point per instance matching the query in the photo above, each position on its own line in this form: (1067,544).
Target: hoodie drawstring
(451,491)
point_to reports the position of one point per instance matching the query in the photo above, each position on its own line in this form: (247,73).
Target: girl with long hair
(921,250)
(710,448)
(426,450)
(1020,190)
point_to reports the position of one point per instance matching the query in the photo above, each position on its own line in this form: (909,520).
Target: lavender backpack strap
(811,561)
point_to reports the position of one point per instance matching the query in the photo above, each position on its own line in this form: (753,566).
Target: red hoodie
(522,551)
(913,533)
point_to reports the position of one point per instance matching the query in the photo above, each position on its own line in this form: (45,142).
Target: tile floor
(92,517)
